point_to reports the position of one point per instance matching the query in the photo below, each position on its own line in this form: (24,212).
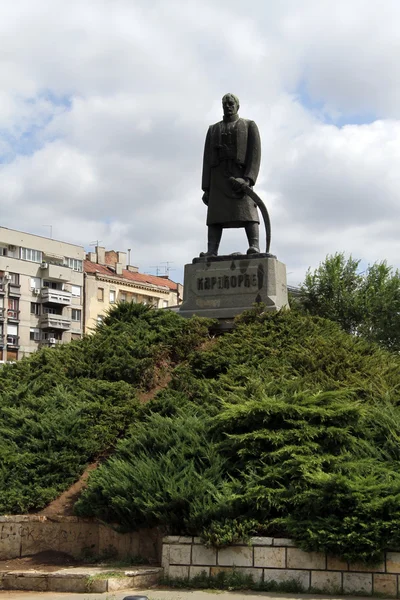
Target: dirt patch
(43,561)
(64,504)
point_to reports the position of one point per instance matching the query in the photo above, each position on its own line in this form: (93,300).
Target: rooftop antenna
(157,268)
(168,268)
(95,243)
(129,256)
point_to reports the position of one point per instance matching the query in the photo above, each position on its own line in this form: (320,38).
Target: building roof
(91,267)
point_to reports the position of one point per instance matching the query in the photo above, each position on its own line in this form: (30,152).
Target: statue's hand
(239,184)
(205,198)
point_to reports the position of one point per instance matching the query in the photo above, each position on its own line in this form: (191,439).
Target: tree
(363,303)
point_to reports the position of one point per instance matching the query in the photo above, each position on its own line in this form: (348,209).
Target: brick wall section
(278,559)
(24,535)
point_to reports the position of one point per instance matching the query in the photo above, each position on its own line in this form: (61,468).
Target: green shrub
(287,424)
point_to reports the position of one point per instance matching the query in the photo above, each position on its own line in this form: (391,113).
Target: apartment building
(108,279)
(41,293)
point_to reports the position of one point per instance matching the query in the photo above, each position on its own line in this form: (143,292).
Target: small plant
(233,580)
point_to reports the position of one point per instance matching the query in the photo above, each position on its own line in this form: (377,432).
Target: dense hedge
(286,425)
(62,407)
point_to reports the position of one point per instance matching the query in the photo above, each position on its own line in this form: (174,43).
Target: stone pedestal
(224,286)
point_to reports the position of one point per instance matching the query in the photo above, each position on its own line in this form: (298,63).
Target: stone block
(357,583)
(361,567)
(236,556)
(119,583)
(385,585)
(256,574)
(283,542)
(197,540)
(78,583)
(261,541)
(225,286)
(177,539)
(179,554)
(195,571)
(176,572)
(284,575)
(33,582)
(124,544)
(165,557)
(393,562)
(298,559)
(204,556)
(10,540)
(98,586)
(326,582)
(270,557)
(334,563)
(145,581)
(70,537)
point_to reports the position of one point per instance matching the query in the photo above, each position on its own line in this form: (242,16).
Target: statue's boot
(253,237)
(214,238)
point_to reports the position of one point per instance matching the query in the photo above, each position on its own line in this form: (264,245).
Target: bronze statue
(231,163)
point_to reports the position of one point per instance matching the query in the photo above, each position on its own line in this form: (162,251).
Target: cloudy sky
(104,107)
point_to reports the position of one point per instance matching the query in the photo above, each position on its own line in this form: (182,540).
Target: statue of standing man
(232,150)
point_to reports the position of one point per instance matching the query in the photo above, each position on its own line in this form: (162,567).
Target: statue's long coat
(239,158)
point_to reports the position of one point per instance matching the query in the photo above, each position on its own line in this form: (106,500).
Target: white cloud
(104,107)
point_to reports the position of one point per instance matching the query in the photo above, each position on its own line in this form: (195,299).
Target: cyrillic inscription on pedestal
(225,288)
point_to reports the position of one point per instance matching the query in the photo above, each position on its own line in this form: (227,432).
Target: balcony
(2,309)
(12,315)
(53,271)
(1,340)
(49,321)
(13,340)
(58,297)
(2,287)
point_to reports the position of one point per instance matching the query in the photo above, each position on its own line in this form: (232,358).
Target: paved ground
(156,594)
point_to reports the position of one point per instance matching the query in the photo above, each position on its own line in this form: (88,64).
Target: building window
(76,291)
(12,354)
(74,264)
(48,335)
(122,297)
(112,296)
(100,318)
(13,308)
(34,335)
(35,308)
(165,303)
(47,310)
(35,283)
(3,251)
(100,294)
(14,278)
(53,285)
(134,299)
(32,255)
(12,334)
(76,314)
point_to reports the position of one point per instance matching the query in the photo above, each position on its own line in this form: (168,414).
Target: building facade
(108,279)
(41,293)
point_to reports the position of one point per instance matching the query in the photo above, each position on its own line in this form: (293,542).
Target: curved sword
(248,191)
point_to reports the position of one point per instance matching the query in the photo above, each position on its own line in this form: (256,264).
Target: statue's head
(230,105)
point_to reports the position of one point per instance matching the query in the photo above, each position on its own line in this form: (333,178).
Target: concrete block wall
(24,535)
(278,559)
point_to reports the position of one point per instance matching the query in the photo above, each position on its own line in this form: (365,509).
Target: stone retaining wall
(277,559)
(24,535)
